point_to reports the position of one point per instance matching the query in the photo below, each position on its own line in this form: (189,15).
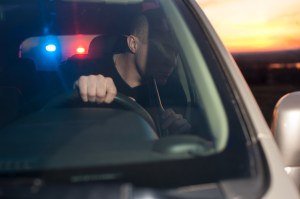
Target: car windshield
(173,122)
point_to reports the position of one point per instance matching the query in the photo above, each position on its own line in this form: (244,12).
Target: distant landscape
(270,76)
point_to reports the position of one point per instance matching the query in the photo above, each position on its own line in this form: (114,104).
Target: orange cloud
(254,25)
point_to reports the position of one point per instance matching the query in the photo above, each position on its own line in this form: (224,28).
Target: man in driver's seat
(149,59)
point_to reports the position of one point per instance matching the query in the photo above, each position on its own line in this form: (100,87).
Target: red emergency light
(80,50)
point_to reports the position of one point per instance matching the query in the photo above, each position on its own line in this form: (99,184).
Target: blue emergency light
(50,48)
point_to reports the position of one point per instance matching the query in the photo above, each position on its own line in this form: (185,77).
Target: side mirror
(286,129)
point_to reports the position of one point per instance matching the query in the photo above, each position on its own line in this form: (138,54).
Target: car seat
(10,104)
(22,76)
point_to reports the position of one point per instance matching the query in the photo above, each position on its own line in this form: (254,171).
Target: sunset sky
(255,25)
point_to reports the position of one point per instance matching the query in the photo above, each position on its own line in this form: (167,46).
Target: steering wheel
(120,99)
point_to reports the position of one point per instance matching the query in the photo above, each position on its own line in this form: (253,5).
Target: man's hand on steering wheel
(96,88)
(100,89)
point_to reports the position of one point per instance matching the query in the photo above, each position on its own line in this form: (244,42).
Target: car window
(182,112)
(48,52)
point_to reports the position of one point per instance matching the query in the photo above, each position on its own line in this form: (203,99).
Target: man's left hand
(174,122)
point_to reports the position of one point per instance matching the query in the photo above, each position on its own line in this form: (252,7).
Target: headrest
(101,45)
(107,44)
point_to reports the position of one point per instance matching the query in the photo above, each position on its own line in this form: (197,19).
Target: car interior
(44,125)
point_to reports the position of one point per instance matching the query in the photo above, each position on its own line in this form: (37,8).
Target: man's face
(161,60)
(156,56)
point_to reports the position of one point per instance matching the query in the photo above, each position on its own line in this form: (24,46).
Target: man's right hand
(96,88)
